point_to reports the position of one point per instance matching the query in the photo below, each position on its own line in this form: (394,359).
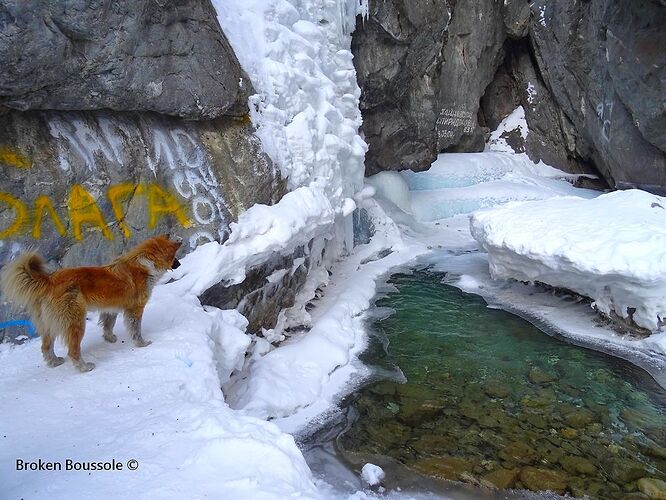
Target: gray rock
(605,65)
(590,76)
(552,137)
(168,57)
(422,67)
(258,299)
(125,177)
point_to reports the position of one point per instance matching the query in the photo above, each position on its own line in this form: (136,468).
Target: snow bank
(260,232)
(160,405)
(306,373)
(514,122)
(611,249)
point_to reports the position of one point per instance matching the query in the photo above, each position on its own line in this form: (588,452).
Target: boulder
(605,66)
(168,57)
(422,68)
(83,187)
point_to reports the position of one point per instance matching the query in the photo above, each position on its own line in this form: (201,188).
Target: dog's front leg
(133,326)
(107,321)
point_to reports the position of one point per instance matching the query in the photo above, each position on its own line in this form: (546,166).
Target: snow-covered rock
(611,249)
(372,474)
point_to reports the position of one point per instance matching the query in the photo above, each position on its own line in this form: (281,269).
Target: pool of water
(492,401)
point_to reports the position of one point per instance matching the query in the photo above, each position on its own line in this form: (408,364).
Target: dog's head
(162,252)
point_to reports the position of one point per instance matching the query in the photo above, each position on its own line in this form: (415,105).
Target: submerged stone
(518,453)
(502,478)
(579,418)
(590,487)
(622,470)
(413,391)
(414,412)
(577,465)
(653,488)
(538,376)
(443,467)
(496,389)
(569,433)
(635,418)
(535,479)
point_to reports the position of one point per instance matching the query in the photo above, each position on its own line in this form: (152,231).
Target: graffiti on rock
(83,211)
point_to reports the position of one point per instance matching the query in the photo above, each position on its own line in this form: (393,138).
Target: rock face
(168,57)
(422,68)
(590,76)
(87,185)
(605,65)
(82,187)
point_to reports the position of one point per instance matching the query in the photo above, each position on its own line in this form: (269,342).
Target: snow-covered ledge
(611,249)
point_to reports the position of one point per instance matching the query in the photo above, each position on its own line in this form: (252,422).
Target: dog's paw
(110,337)
(55,361)
(85,366)
(142,342)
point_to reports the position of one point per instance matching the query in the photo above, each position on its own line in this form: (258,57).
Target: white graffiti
(451,120)
(171,150)
(605,113)
(531,92)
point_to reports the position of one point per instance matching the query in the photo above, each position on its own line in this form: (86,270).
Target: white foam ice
(611,249)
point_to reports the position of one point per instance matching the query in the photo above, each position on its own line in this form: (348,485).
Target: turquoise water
(492,400)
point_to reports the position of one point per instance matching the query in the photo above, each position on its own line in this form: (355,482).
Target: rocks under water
(491,400)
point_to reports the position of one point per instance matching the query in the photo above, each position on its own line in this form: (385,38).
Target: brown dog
(57,302)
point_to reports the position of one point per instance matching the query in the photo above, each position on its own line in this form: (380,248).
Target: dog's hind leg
(133,326)
(74,330)
(47,338)
(108,320)
(47,350)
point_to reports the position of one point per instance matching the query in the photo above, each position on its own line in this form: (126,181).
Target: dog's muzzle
(176,264)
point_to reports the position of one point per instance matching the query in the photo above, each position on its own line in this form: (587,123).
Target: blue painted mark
(188,362)
(32,332)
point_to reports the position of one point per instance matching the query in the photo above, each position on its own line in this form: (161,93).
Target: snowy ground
(160,405)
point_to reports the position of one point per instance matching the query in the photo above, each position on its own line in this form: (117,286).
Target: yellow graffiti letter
(43,204)
(21,214)
(13,159)
(160,203)
(84,209)
(118,193)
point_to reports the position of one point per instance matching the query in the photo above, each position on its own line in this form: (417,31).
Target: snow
(372,474)
(515,121)
(298,57)
(261,231)
(160,405)
(611,249)
(391,186)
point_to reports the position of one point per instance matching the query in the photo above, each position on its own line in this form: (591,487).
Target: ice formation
(611,249)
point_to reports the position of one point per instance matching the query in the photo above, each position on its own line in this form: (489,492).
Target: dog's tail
(24,280)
